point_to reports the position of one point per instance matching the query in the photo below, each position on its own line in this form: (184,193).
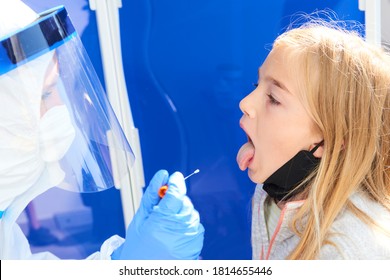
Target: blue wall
(187,65)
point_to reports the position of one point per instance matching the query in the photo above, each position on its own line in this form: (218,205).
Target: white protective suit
(28,166)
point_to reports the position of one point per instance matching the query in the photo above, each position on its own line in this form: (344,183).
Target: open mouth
(249,138)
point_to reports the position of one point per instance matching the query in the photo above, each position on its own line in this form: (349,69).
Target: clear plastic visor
(58,112)
(72,86)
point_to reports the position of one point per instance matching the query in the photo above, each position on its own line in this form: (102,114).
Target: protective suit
(56,125)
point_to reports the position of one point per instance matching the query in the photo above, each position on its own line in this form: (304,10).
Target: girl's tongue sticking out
(245,155)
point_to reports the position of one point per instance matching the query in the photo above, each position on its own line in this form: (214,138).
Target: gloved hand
(162,229)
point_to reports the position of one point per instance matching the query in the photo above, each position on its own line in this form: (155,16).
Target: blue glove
(163,229)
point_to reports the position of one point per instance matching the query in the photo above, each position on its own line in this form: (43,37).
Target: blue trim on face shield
(52,29)
(1,214)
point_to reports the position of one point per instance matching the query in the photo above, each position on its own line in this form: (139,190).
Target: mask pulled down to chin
(281,185)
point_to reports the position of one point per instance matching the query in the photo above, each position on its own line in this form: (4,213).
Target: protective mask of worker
(56,133)
(281,183)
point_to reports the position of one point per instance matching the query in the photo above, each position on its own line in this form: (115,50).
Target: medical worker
(57,127)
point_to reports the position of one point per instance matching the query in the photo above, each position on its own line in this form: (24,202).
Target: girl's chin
(255,176)
(252,175)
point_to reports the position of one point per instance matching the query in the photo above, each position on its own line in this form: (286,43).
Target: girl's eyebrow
(274,81)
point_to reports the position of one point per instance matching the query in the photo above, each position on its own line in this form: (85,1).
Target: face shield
(54,112)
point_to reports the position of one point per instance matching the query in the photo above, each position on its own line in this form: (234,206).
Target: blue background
(187,66)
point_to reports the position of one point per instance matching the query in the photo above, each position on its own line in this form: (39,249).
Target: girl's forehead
(284,67)
(279,60)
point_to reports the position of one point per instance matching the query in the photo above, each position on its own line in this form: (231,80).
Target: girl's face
(274,118)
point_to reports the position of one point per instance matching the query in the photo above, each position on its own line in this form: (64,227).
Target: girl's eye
(272,100)
(255,85)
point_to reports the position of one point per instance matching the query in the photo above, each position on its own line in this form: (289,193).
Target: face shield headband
(57,111)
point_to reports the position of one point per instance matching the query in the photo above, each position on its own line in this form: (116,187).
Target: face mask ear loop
(316,147)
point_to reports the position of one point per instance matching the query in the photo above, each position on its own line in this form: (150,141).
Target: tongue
(244,155)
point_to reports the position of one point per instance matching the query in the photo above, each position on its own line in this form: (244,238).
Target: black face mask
(281,183)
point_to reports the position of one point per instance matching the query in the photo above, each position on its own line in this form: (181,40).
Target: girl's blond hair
(344,85)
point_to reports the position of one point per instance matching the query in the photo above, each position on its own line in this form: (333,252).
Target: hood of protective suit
(11,22)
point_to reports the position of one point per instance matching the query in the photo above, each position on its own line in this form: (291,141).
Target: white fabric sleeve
(107,248)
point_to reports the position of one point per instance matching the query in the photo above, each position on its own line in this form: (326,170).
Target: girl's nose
(246,106)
